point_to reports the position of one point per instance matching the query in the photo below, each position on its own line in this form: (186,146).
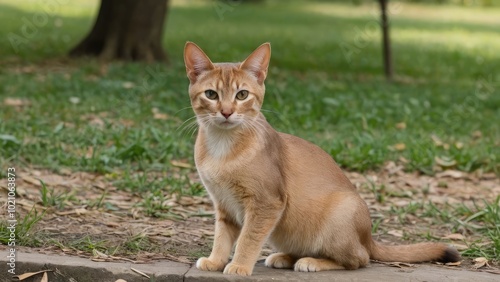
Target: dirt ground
(115,227)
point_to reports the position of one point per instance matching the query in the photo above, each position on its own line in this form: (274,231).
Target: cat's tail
(414,253)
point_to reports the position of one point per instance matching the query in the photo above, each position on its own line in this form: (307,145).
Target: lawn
(125,122)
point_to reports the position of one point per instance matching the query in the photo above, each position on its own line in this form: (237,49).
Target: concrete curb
(75,269)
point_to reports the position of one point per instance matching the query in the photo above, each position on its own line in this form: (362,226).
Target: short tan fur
(275,187)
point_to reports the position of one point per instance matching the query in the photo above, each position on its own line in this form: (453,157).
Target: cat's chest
(218,146)
(223,193)
(224,164)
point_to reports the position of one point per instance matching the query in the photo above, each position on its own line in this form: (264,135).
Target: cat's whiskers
(253,126)
(191,124)
(185,123)
(248,126)
(204,120)
(269,111)
(193,127)
(190,107)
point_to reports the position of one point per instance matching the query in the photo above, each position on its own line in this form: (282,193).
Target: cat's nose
(226,114)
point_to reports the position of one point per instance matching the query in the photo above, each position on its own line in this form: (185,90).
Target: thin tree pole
(386,42)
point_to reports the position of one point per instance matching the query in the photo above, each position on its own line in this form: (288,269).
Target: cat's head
(226,95)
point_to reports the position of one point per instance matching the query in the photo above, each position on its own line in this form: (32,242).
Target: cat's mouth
(226,124)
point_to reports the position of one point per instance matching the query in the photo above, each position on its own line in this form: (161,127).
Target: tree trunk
(126,29)
(386,43)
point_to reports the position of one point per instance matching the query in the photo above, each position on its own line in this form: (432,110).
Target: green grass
(51,198)
(482,219)
(488,218)
(325,84)
(23,229)
(443,88)
(478,220)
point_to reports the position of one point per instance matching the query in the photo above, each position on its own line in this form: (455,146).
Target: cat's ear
(196,61)
(258,62)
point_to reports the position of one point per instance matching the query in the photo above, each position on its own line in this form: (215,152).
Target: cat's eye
(212,95)
(242,95)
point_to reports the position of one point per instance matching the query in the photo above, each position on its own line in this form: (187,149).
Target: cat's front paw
(206,264)
(238,270)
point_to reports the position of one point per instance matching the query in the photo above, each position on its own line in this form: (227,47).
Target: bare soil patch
(94,219)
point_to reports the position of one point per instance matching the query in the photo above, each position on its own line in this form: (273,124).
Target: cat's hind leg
(309,264)
(280,260)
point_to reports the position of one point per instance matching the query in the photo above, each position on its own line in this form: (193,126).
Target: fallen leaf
(53,180)
(96,121)
(186,201)
(396,264)
(451,173)
(29,274)
(121,280)
(90,152)
(393,168)
(208,232)
(403,160)
(445,161)
(74,100)
(126,122)
(401,203)
(45,277)
(177,259)
(436,140)
(477,134)
(128,85)
(31,180)
(396,233)
(457,263)
(480,262)
(16,102)
(113,224)
(460,247)
(454,236)
(180,164)
(139,272)
(160,116)
(398,147)
(400,125)
(78,211)
(98,254)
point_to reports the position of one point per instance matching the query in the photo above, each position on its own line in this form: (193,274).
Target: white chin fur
(224,125)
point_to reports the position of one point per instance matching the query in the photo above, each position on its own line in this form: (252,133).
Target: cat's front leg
(226,233)
(256,229)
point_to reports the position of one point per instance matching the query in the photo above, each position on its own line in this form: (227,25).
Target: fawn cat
(275,187)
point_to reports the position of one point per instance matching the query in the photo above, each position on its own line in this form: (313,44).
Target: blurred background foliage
(325,84)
